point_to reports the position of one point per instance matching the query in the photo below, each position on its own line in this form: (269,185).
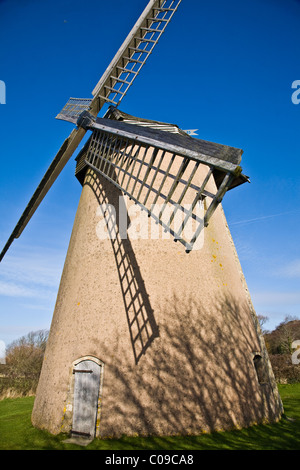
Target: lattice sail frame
(111,88)
(73,108)
(173,184)
(135,51)
(127,63)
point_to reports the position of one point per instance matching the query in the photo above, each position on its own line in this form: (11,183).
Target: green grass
(17,432)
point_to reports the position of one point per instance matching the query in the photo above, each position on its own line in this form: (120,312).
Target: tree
(280,340)
(24,356)
(262,319)
(288,334)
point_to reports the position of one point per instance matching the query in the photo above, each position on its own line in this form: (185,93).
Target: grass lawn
(17,433)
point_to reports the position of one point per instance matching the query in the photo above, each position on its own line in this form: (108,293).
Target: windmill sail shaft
(128,61)
(133,53)
(111,88)
(55,168)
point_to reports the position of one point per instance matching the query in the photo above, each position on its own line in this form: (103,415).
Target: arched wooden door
(86,394)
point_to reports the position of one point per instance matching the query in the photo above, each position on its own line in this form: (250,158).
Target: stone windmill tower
(149,336)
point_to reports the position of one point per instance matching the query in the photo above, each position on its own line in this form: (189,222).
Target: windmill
(148,336)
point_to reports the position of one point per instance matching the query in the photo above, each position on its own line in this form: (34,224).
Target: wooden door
(86,393)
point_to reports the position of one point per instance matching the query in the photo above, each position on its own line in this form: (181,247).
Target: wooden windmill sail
(149,336)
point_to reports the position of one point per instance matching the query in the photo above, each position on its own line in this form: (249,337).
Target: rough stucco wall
(175,331)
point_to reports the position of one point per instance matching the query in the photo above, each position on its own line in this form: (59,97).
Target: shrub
(285,372)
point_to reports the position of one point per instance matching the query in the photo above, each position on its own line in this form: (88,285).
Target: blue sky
(225,68)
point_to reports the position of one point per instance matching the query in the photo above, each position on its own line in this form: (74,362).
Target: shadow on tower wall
(199,376)
(201,372)
(140,318)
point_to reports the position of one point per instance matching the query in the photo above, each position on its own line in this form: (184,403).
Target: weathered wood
(135,158)
(86,392)
(72,142)
(135,38)
(62,157)
(220,156)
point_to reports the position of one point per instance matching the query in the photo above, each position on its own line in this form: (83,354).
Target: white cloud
(34,274)
(291,270)
(276,298)
(37,268)
(264,217)
(11,289)
(245,250)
